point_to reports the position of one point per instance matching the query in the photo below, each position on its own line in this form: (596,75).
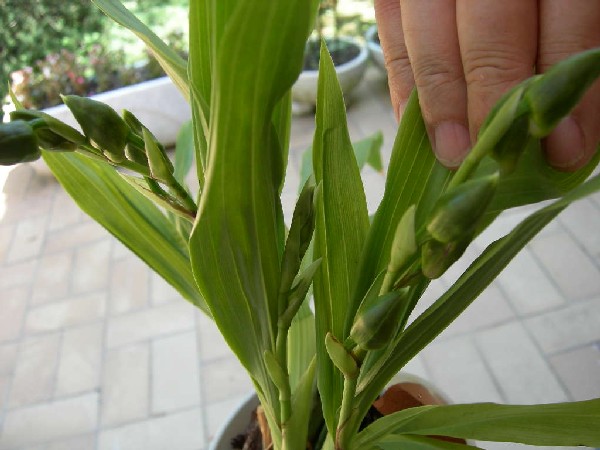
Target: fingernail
(452,142)
(565,145)
(400,110)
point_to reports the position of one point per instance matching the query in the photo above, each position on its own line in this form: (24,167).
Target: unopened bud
(18,143)
(552,96)
(377,321)
(161,166)
(101,125)
(512,145)
(437,257)
(341,358)
(457,211)
(54,135)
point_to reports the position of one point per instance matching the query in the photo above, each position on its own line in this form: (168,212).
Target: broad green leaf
(406,442)
(341,227)
(366,151)
(234,243)
(564,424)
(184,152)
(301,347)
(464,291)
(282,122)
(129,216)
(168,58)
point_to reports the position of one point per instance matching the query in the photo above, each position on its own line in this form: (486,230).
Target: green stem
(183,196)
(345,427)
(285,393)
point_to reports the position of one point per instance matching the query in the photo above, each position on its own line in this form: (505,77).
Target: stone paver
(181,431)
(80,362)
(175,375)
(97,352)
(579,371)
(50,421)
(35,371)
(125,385)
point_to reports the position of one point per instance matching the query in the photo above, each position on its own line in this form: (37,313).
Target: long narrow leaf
(341,227)
(570,424)
(405,442)
(129,216)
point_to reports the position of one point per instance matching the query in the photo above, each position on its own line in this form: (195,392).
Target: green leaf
(464,291)
(129,216)
(184,152)
(168,59)
(235,241)
(366,151)
(300,350)
(341,228)
(404,442)
(302,407)
(562,424)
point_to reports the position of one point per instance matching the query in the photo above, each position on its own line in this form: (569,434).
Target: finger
(498,43)
(389,27)
(568,27)
(432,43)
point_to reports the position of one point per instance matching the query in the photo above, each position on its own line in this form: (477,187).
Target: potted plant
(349,57)
(227,250)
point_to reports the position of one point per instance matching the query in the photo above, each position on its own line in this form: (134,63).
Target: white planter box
(158,104)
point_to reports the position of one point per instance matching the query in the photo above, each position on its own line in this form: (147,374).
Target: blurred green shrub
(32,29)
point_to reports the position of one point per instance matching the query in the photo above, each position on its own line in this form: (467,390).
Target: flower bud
(376,322)
(341,358)
(457,211)
(299,236)
(161,166)
(512,145)
(18,143)
(101,124)
(552,96)
(55,135)
(437,257)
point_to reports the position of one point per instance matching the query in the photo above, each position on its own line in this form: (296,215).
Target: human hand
(463,55)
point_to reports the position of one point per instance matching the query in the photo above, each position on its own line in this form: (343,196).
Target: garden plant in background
(224,246)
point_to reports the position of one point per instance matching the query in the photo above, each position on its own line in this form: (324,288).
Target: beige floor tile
(128,285)
(579,371)
(50,421)
(17,274)
(568,327)
(91,267)
(13,304)
(150,323)
(458,369)
(76,236)
(162,292)
(85,442)
(528,287)
(65,212)
(572,270)
(4,385)
(224,379)
(6,238)
(212,344)
(53,277)
(80,360)
(8,358)
(175,374)
(125,385)
(27,239)
(523,374)
(582,218)
(181,431)
(75,311)
(35,371)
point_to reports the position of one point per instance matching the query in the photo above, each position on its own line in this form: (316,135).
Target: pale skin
(462,55)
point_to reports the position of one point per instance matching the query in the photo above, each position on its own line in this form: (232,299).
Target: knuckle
(496,69)
(557,50)
(435,75)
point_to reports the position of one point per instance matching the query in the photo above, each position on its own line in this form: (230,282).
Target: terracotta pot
(417,391)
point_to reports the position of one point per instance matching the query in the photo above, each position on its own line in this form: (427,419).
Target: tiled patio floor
(98,353)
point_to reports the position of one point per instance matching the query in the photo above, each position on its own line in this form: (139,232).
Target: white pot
(304,91)
(240,417)
(374,47)
(157,103)
(235,424)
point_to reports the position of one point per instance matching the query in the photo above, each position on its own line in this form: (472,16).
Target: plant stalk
(345,427)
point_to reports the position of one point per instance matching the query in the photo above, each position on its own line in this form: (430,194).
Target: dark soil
(341,52)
